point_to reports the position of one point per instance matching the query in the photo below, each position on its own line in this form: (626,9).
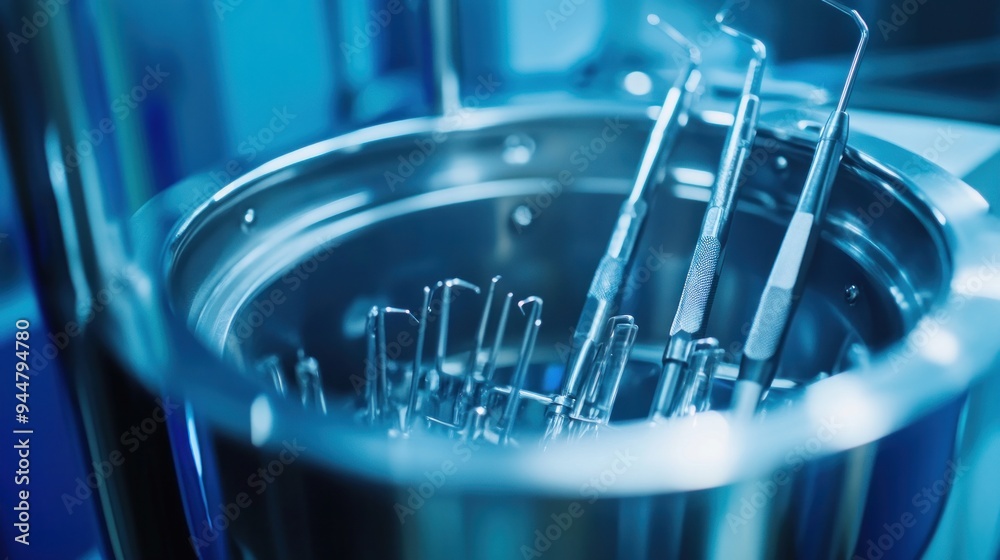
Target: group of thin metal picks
(466,401)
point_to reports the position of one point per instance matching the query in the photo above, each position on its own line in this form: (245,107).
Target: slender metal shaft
(523,361)
(310,383)
(610,273)
(270,372)
(706,263)
(785,284)
(695,396)
(447,287)
(491,363)
(598,398)
(444,35)
(377,389)
(465,398)
(473,365)
(618,332)
(371,366)
(417,362)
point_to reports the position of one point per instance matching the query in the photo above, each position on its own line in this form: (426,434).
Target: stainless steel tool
(706,262)
(822,477)
(366,472)
(377,387)
(593,409)
(785,283)
(479,393)
(610,274)
(506,423)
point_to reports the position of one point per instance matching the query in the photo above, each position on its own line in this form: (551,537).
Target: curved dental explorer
(785,284)
(611,270)
(465,399)
(446,287)
(407,421)
(491,362)
(706,263)
(481,331)
(506,423)
(377,381)
(442,343)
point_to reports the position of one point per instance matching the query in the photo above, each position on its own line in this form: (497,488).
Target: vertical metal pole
(78,248)
(444,41)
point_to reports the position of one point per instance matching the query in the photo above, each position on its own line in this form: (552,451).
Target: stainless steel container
(293,254)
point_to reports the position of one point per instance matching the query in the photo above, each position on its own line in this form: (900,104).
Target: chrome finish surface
(336,234)
(702,277)
(783,289)
(610,273)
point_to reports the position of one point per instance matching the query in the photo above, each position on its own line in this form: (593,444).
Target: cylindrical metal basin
(293,255)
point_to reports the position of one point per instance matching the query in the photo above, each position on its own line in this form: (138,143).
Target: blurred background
(227,65)
(169,89)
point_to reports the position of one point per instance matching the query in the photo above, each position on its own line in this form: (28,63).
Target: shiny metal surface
(334,239)
(702,277)
(784,286)
(610,275)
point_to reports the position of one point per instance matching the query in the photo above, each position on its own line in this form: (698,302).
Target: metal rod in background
(702,279)
(786,282)
(417,362)
(523,361)
(695,396)
(467,395)
(620,331)
(594,405)
(480,334)
(269,370)
(78,245)
(446,287)
(491,363)
(310,383)
(447,94)
(610,274)
(371,367)
(376,376)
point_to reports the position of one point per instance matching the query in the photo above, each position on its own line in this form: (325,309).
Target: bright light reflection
(261,420)
(942,348)
(638,83)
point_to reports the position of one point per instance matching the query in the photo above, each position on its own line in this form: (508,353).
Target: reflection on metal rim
(902,383)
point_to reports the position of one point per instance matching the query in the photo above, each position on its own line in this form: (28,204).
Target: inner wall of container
(440,226)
